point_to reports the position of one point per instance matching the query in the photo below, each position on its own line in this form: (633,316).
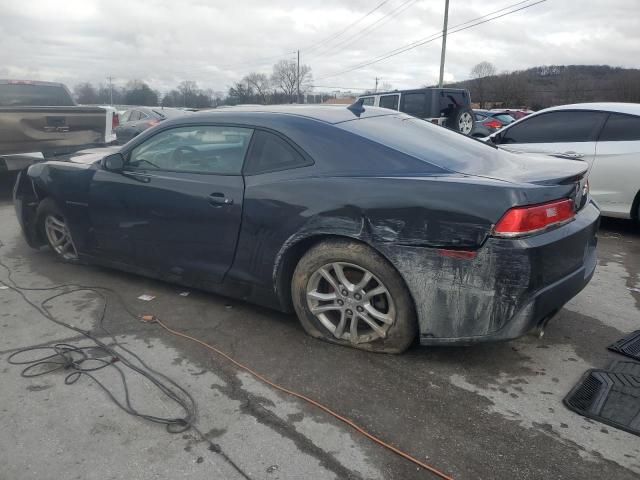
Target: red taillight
(493,124)
(534,218)
(115,121)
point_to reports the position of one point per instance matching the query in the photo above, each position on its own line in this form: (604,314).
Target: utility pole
(376,89)
(110,90)
(444,41)
(298,79)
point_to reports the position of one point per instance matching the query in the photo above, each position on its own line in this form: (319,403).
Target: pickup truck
(40,120)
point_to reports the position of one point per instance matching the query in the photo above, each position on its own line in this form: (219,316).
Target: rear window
(427,142)
(505,118)
(29,95)
(389,101)
(620,128)
(414,103)
(270,153)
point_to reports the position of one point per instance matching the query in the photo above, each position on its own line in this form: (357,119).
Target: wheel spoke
(339,331)
(366,278)
(56,222)
(342,278)
(57,241)
(325,308)
(322,297)
(353,330)
(377,328)
(379,290)
(378,315)
(329,278)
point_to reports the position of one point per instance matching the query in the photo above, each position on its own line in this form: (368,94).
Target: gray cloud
(217,42)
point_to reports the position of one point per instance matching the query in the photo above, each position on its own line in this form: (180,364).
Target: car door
(569,134)
(615,176)
(176,207)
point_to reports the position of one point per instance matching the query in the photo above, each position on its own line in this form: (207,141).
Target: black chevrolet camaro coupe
(374,226)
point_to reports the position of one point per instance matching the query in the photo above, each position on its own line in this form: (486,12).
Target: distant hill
(545,86)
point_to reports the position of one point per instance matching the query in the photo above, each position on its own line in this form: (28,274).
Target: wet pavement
(482,412)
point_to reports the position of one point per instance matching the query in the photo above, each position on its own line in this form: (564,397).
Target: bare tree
(479,74)
(260,84)
(285,77)
(85,93)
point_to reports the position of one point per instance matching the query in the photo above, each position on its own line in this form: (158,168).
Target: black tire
(400,334)
(46,208)
(455,120)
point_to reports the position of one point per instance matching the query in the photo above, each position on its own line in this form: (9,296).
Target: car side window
(367,101)
(620,128)
(556,127)
(270,153)
(217,150)
(125,116)
(389,101)
(413,104)
(134,115)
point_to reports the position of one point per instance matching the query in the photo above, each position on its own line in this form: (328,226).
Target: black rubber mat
(625,366)
(609,396)
(629,345)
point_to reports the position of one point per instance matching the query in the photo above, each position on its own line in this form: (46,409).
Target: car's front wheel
(346,293)
(54,229)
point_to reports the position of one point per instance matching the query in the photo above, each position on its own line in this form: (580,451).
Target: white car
(605,135)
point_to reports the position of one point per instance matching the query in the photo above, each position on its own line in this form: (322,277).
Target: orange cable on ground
(397,451)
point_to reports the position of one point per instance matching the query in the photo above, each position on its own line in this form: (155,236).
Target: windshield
(30,95)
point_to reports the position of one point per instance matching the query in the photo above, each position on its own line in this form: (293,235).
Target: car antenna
(356,108)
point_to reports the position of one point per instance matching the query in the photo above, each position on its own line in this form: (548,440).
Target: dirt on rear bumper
(509,288)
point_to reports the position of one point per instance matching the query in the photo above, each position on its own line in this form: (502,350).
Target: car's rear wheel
(462,120)
(55,230)
(346,293)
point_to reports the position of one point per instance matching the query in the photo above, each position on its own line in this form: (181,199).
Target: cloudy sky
(217,42)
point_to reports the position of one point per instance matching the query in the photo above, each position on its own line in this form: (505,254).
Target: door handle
(139,176)
(218,199)
(571,155)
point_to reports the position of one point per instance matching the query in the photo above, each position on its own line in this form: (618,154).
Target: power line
(436,36)
(344,30)
(366,30)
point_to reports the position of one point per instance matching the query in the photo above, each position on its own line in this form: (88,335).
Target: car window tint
(135,115)
(367,100)
(389,101)
(195,148)
(271,153)
(450,101)
(413,104)
(555,127)
(504,118)
(620,128)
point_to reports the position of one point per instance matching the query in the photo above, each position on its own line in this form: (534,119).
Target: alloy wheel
(465,123)
(350,302)
(59,237)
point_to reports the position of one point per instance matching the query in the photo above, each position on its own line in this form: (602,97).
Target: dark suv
(449,107)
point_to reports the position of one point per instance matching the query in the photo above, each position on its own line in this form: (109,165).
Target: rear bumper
(511,287)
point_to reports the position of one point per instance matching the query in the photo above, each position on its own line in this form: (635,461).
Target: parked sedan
(373,226)
(488,122)
(604,135)
(136,120)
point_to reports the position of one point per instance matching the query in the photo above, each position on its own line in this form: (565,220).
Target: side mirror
(113,163)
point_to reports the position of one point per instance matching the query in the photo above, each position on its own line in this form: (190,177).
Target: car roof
(324,113)
(617,107)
